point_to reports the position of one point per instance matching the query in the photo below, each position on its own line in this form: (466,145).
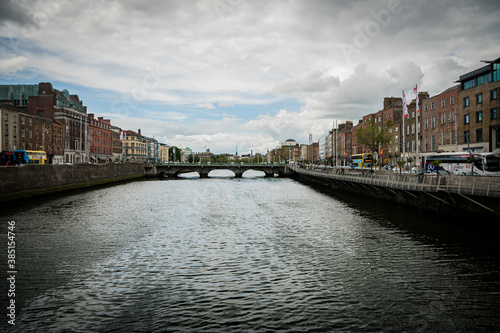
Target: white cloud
(217,62)
(207,106)
(12,65)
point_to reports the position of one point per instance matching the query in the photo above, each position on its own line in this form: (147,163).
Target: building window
(452,116)
(479,116)
(426,107)
(413,129)
(466,136)
(479,135)
(466,101)
(407,129)
(443,118)
(452,100)
(426,143)
(426,123)
(433,143)
(397,129)
(452,137)
(433,122)
(396,139)
(466,118)
(493,94)
(494,113)
(443,138)
(433,105)
(479,98)
(443,103)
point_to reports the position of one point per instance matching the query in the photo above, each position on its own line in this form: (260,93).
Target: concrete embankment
(440,200)
(34,180)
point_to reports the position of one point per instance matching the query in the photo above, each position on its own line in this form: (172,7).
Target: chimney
(139,131)
(388,101)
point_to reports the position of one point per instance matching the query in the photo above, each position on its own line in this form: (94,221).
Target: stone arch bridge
(172,170)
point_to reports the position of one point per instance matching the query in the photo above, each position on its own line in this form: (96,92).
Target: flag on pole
(405,106)
(415,91)
(124,136)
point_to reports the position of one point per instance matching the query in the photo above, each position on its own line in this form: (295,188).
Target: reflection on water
(265,254)
(223,174)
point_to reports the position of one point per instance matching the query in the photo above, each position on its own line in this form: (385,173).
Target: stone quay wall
(32,180)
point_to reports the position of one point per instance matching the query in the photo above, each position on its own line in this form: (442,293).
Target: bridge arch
(256,173)
(221,173)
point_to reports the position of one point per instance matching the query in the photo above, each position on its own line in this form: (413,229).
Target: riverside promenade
(442,193)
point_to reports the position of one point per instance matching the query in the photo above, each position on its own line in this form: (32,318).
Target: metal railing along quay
(466,185)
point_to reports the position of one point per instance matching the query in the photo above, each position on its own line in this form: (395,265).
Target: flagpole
(336,124)
(403,129)
(417,108)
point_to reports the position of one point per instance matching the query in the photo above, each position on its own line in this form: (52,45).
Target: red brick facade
(100,139)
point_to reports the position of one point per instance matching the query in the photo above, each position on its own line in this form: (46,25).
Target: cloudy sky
(246,73)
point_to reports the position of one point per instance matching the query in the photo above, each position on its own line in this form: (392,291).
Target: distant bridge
(173,170)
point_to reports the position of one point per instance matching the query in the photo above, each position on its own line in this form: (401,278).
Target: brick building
(478,105)
(44,105)
(344,142)
(439,125)
(100,139)
(135,149)
(9,129)
(117,144)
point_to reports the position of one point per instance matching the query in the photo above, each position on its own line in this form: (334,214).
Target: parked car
(441,172)
(417,170)
(469,173)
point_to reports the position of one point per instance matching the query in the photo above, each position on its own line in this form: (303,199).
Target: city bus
(486,164)
(362,161)
(30,157)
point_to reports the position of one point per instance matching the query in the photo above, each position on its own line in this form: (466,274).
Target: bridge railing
(230,164)
(466,185)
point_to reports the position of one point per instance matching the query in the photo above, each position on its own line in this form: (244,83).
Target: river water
(246,255)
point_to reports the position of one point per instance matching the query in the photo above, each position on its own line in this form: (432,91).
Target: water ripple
(250,255)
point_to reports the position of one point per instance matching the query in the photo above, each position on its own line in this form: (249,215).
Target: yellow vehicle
(362,161)
(30,157)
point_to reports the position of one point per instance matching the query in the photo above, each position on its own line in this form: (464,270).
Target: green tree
(409,160)
(283,153)
(400,165)
(174,154)
(374,136)
(436,164)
